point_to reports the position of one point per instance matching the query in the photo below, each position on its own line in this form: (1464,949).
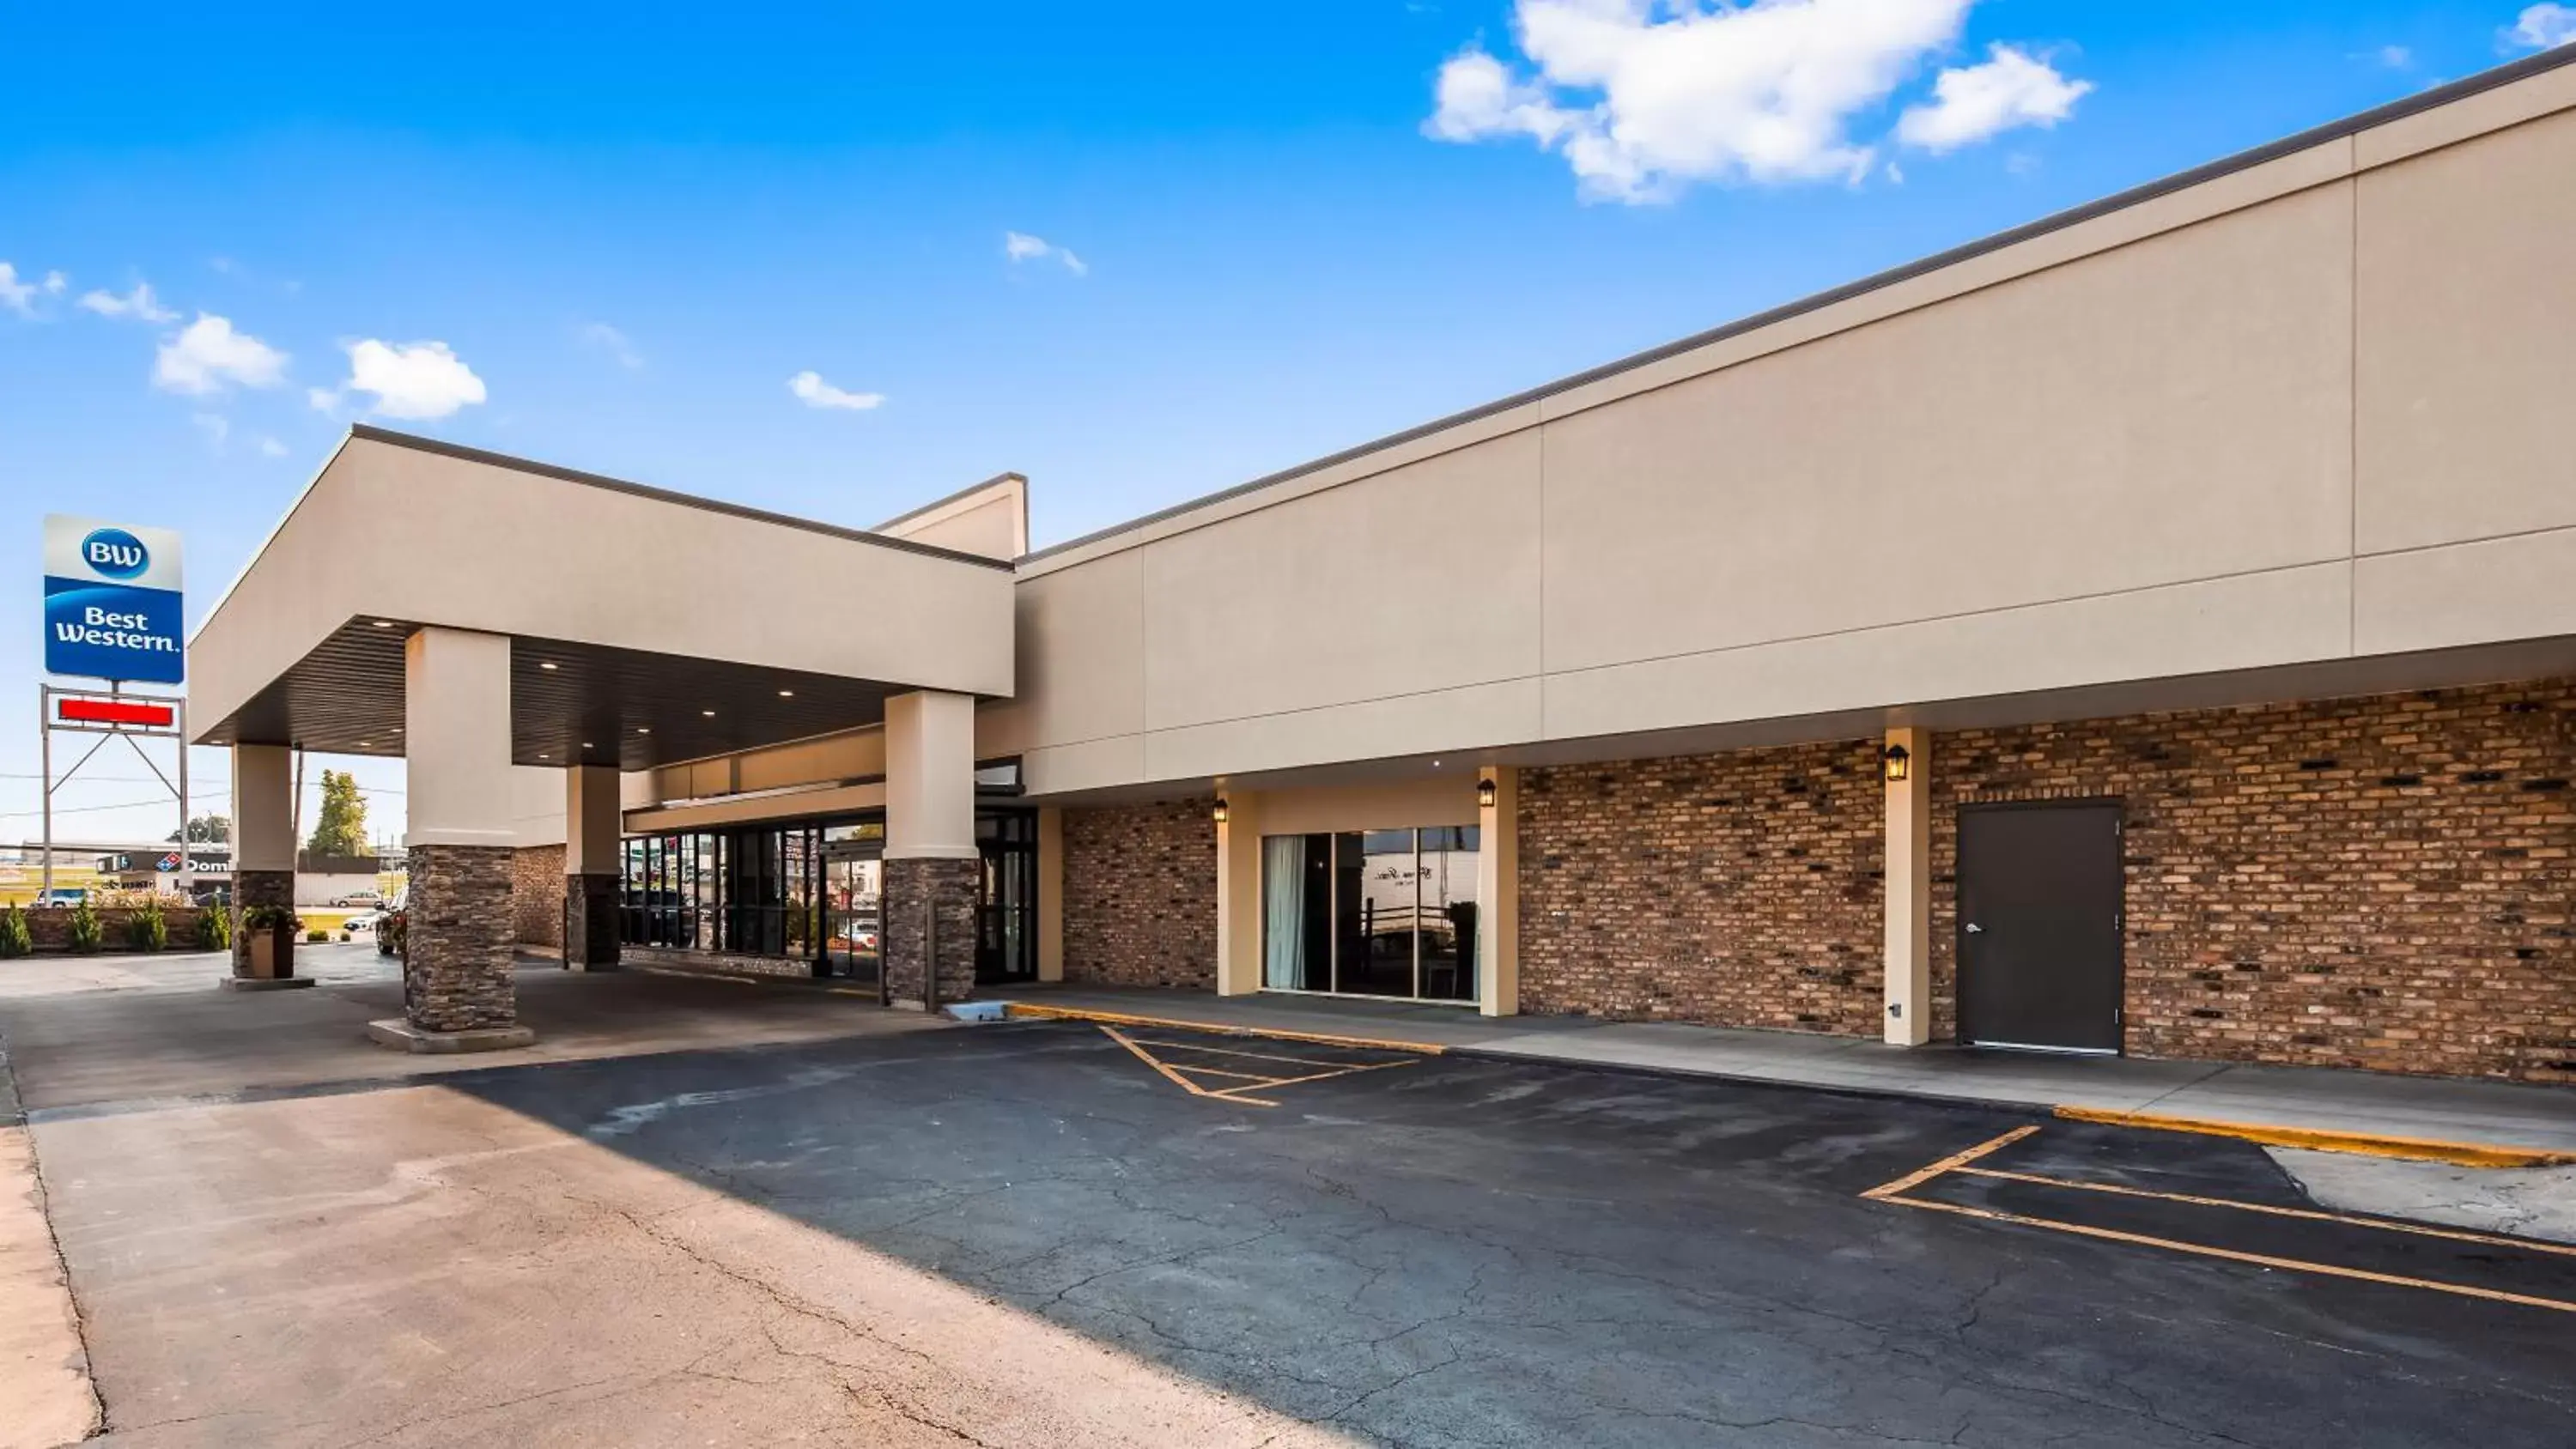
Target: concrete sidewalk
(2519,1123)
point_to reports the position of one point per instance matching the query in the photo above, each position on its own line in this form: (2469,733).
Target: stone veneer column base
(262,888)
(955,890)
(456,966)
(590,932)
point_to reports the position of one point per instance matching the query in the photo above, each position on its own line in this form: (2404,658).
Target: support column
(594,830)
(1909,886)
(1238,894)
(1050,893)
(1498,887)
(458,994)
(934,871)
(263,842)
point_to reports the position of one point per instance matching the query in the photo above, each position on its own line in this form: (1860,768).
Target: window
(1371,912)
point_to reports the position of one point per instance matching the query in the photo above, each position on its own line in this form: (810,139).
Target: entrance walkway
(2480,1123)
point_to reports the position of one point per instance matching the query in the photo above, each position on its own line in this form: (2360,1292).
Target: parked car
(64,896)
(364,896)
(388,923)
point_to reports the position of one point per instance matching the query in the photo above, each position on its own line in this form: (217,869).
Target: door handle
(1975,930)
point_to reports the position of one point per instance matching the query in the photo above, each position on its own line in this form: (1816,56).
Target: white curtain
(1283,913)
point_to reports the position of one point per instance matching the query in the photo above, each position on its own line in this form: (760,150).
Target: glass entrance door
(853,900)
(1007,924)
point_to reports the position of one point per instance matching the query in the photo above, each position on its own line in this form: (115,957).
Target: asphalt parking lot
(1302,1242)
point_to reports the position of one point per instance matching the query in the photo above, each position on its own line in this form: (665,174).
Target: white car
(366,897)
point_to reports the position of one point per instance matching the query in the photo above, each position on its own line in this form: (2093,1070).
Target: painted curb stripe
(2417,1149)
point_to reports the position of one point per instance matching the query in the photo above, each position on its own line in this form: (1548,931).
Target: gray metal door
(2040,926)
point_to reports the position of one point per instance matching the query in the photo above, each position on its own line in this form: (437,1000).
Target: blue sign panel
(113,602)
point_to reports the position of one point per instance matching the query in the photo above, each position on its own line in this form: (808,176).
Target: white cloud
(2543,27)
(1972,103)
(409,380)
(17,296)
(55,282)
(215,426)
(208,354)
(604,338)
(814,392)
(2395,57)
(1644,97)
(139,304)
(271,448)
(1019,246)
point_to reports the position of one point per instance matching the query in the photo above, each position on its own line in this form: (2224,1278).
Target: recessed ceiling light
(711,714)
(541,756)
(384,623)
(366,744)
(585,744)
(787,694)
(545,664)
(643,729)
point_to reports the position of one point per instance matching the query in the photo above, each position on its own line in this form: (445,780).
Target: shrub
(84,933)
(14,938)
(316,937)
(215,928)
(147,929)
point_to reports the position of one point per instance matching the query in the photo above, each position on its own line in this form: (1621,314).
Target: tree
(341,827)
(206,830)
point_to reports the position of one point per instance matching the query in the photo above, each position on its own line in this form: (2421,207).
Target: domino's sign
(112,601)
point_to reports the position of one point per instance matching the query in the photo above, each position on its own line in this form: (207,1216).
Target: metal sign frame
(49,723)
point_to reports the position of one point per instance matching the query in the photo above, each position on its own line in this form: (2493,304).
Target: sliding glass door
(1371,913)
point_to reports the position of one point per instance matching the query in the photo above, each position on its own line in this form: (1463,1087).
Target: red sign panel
(116,712)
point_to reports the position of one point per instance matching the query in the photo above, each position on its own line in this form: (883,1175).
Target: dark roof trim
(969,491)
(373,434)
(2461,89)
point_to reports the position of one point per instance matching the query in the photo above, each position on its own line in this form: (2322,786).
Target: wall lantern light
(1899,764)
(1486,794)
(1219,812)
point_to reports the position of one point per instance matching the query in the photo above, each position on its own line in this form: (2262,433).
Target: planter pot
(272,955)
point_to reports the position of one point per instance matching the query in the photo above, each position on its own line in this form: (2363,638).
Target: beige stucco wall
(428,538)
(2305,411)
(991,519)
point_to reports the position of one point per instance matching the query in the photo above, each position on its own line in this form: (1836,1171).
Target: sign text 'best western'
(112,606)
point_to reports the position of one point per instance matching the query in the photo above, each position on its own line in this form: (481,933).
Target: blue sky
(1292,228)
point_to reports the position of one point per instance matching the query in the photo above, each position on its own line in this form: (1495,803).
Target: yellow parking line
(2310,1215)
(2264,1260)
(1220,1072)
(1187,1046)
(1120,1018)
(1175,1078)
(1338,1072)
(1946,1164)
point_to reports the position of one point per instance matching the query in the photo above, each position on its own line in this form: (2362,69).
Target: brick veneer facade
(1140,895)
(456,962)
(1740,890)
(2382,882)
(537,894)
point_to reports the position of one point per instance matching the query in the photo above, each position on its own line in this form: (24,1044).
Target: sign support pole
(45,732)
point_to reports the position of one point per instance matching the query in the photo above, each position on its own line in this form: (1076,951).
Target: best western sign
(112,601)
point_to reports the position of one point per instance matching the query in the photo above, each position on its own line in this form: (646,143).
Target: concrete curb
(2318,1139)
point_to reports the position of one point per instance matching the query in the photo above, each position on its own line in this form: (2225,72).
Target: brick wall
(1140,895)
(537,894)
(1739,890)
(2381,882)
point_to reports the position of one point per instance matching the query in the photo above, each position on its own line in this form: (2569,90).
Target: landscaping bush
(317,937)
(147,929)
(215,928)
(15,941)
(84,933)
